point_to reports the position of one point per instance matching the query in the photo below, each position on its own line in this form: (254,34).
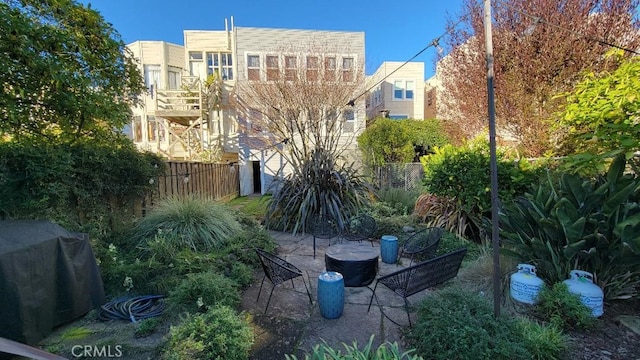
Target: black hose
(132,308)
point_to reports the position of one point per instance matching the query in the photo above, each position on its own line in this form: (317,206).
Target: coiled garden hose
(132,308)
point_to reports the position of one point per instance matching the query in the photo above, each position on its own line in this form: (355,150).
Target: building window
(227,66)
(349,120)
(174,78)
(408,90)
(152,76)
(213,63)
(152,128)
(403,89)
(290,68)
(253,67)
(195,63)
(273,67)
(330,68)
(220,63)
(313,65)
(137,128)
(347,69)
(398,91)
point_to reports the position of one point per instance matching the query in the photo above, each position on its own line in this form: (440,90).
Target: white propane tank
(581,283)
(525,285)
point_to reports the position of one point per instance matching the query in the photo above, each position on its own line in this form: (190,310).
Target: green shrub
(146,327)
(456,324)
(401,200)
(203,290)
(216,334)
(386,351)
(463,174)
(544,342)
(320,187)
(563,309)
(579,223)
(85,187)
(187,223)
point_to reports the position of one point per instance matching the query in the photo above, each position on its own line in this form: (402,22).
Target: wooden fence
(220,182)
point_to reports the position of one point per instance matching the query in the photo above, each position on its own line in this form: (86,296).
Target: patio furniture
(421,276)
(322,227)
(278,270)
(331,294)
(358,263)
(422,245)
(389,249)
(361,227)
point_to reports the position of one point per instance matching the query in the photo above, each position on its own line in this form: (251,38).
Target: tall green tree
(64,71)
(399,141)
(601,118)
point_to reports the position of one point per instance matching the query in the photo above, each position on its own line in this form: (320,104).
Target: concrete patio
(293,326)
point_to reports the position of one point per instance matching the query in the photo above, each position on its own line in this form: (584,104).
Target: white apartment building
(179,120)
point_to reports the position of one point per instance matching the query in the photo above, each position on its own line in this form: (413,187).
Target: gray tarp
(48,276)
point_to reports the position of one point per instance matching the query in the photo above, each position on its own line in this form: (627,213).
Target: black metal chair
(322,227)
(424,275)
(422,245)
(361,227)
(278,270)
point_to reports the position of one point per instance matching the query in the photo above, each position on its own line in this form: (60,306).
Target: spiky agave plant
(321,187)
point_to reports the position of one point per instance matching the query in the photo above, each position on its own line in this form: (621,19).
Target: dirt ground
(611,339)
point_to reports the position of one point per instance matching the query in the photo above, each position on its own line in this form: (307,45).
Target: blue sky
(394,30)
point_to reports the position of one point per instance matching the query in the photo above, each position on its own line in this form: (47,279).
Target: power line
(540,20)
(435,43)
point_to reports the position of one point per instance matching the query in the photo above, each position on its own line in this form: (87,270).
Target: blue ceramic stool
(389,249)
(331,294)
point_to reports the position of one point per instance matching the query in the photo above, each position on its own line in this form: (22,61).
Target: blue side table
(331,294)
(389,249)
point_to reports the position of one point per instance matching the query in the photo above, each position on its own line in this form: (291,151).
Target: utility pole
(495,201)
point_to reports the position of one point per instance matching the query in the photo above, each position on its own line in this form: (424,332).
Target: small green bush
(187,223)
(457,324)
(216,334)
(563,309)
(203,290)
(463,173)
(146,327)
(544,342)
(386,351)
(401,200)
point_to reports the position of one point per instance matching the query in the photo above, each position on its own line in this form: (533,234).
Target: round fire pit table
(358,263)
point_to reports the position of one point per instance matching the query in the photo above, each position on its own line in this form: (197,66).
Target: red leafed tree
(541,48)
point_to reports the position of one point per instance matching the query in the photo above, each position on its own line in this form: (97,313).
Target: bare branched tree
(302,97)
(539,52)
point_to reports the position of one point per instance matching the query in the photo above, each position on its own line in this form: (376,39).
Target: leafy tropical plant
(189,222)
(321,188)
(580,223)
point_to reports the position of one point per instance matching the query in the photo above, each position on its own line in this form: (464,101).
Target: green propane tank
(581,283)
(525,285)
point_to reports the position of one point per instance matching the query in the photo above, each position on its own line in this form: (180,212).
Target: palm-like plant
(321,187)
